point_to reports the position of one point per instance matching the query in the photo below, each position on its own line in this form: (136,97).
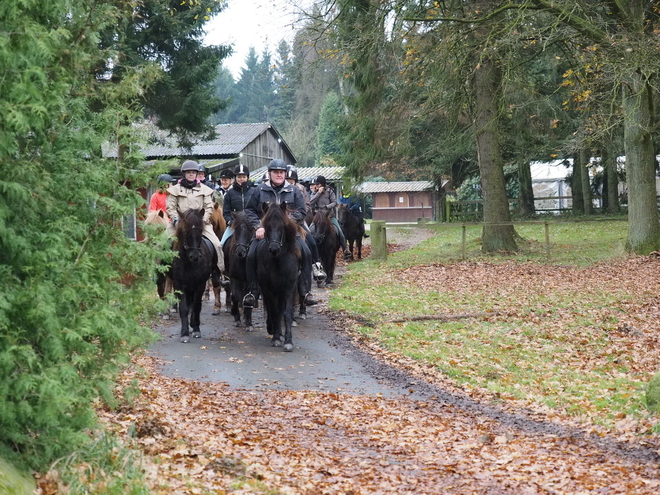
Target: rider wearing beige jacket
(188,194)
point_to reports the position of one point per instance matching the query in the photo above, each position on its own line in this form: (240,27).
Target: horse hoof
(239,324)
(249,328)
(288,347)
(227,310)
(277,343)
(197,334)
(302,316)
(216,311)
(185,340)
(294,323)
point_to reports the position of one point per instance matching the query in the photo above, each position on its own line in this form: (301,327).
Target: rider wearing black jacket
(276,191)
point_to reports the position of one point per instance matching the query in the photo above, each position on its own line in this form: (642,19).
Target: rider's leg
(317,269)
(226,235)
(210,235)
(250,299)
(306,272)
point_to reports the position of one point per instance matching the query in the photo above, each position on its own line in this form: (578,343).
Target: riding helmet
(292,174)
(277,164)
(165,178)
(226,174)
(189,165)
(241,169)
(320,180)
(201,168)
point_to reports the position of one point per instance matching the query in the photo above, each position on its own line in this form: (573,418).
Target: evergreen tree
(328,140)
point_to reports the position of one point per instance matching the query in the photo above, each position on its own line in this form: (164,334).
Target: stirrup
(249,301)
(309,300)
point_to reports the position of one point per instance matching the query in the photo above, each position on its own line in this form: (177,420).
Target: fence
(379,241)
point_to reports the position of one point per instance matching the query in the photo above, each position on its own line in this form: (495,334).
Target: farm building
(401,201)
(254,145)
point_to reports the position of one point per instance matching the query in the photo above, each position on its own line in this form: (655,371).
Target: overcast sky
(246,23)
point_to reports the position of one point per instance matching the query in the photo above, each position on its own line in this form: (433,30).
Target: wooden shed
(400,201)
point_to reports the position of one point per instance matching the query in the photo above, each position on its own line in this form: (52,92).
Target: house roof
(330,173)
(387,187)
(230,140)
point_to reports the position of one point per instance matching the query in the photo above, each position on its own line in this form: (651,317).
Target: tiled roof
(304,173)
(230,139)
(385,187)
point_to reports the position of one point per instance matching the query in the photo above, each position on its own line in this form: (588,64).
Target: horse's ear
(283,206)
(200,213)
(161,213)
(234,214)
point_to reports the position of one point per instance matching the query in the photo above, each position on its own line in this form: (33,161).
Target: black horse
(327,240)
(236,251)
(353,227)
(278,264)
(191,268)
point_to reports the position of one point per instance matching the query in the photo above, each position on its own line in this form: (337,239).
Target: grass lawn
(576,332)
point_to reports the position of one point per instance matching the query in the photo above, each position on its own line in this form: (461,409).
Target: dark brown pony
(236,250)
(327,240)
(353,228)
(191,268)
(278,264)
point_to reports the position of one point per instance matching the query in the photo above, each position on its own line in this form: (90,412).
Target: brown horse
(219,226)
(163,281)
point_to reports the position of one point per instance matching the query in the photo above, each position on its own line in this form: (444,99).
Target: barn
(400,201)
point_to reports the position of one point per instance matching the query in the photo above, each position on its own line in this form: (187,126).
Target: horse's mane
(218,221)
(322,221)
(156,217)
(188,220)
(275,218)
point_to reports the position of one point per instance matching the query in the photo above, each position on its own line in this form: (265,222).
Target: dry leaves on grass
(201,436)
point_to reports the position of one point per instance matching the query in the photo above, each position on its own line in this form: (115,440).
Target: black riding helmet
(291,173)
(226,174)
(241,170)
(277,164)
(320,180)
(165,178)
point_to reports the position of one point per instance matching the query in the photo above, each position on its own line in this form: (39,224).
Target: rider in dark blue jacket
(236,198)
(276,191)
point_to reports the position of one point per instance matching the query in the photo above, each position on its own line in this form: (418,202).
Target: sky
(257,23)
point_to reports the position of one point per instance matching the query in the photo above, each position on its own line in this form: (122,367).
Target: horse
(236,251)
(278,265)
(157,219)
(191,268)
(219,225)
(327,240)
(353,228)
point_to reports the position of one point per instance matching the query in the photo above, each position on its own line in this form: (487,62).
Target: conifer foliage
(68,317)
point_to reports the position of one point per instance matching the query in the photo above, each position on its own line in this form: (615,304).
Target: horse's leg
(217,292)
(288,322)
(196,310)
(183,316)
(227,298)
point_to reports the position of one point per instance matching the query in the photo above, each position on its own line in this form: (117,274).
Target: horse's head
(189,231)
(342,211)
(279,228)
(243,234)
(322,225)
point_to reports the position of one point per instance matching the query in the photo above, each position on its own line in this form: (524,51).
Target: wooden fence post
(378,240)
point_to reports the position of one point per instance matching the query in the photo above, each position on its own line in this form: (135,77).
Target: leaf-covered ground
(206,438)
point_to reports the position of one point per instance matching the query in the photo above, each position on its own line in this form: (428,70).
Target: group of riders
(237,193)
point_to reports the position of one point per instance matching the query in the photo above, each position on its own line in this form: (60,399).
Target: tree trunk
(643,222)
(609,170)
(576,187)
(526,207)
(586,182)
(486,90)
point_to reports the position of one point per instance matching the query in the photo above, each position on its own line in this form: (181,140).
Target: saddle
(211,248)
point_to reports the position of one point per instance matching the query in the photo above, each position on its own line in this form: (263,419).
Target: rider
(324,199)
(276,191)
(189,193)
(353,205)
(236,197)
(226,177)
(317,269)
(158,199)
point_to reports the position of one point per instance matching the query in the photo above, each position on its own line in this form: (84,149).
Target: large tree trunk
(586,182)
(526,207)
(576,187)
(643,223)
(486,89)
(609,170)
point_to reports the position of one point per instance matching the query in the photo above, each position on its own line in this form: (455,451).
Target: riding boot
(317,271)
